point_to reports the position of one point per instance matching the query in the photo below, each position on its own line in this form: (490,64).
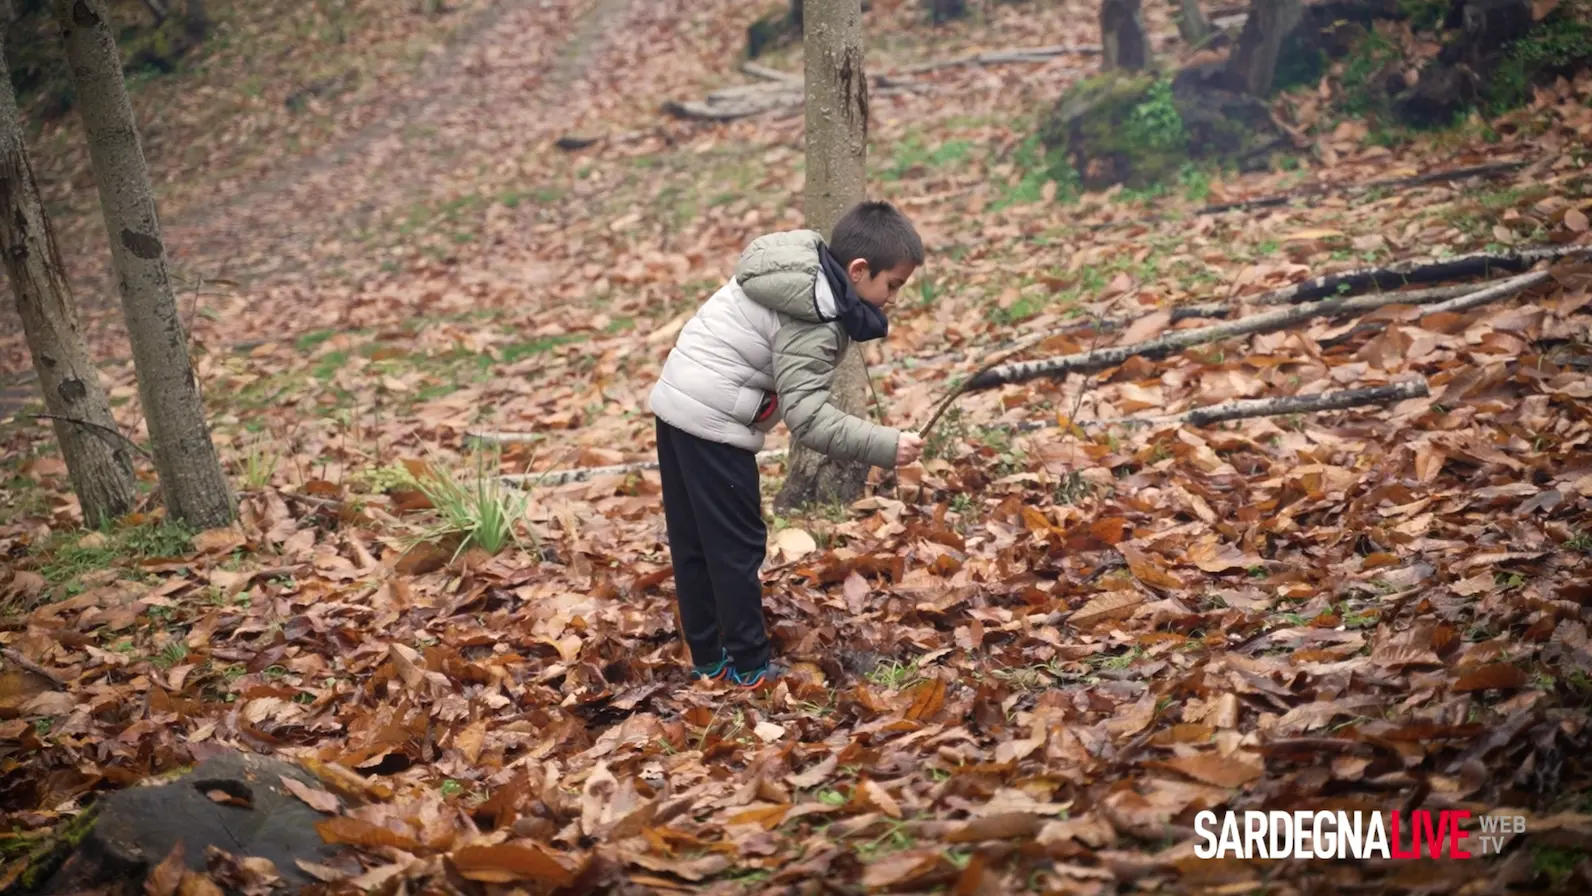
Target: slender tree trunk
(1122,39)
(1192,23)
(194,488)
(837,152)
(196,20)
(96,461)
(1253,64)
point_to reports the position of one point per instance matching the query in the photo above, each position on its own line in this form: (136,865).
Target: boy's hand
(908,447)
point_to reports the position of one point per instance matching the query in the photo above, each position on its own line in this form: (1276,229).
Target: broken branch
(1395,183)
(1477,264)
(29,665)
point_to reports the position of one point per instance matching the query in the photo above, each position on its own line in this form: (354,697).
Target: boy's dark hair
(879,234)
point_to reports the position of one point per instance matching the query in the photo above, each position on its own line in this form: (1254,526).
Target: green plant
(480,510)
(895,675)
(1562,40)
(1155,122)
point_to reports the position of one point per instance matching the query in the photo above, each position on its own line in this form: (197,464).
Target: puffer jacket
(769,332)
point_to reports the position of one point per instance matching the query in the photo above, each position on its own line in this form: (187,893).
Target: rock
(233,801)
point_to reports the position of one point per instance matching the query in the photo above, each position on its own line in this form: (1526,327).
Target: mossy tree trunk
(1253,65)
(837,152)
(1122,39)
(96,458)
(194,488)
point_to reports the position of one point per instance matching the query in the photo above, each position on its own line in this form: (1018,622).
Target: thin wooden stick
(33,667)
(97,428)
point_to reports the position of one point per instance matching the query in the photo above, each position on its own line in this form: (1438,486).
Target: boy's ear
(857,270)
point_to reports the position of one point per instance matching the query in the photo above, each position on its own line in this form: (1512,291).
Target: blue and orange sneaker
(757,679)
(715,671)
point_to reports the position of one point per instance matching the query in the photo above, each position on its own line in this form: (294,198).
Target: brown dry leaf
(358,832)
(470,740)
(1109,606)
(900,869)
(1220,771)
(927,699)
(1146,570)
(521,860)
(319,800)
(196,884)
(1575,220)
(166,877)
(1495,676)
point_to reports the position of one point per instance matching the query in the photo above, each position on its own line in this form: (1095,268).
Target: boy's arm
(805,356)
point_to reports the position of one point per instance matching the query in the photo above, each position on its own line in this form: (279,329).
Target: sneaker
(757,679)
(715,671)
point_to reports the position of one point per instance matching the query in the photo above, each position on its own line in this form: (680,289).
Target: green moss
(54,850)
(1558,44)
(1130,120)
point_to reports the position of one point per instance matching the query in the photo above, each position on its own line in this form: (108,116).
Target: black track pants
(717,540)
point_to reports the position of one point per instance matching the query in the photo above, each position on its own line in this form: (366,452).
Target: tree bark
(1192,24)
(100,470)
(193,486)
(1122,36)
(1253,65)
(837,151)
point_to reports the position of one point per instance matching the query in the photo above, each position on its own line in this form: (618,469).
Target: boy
(762,349)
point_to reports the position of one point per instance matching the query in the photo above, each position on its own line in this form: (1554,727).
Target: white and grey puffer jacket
(769,331)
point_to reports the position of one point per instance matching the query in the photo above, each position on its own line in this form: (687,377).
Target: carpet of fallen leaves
(1023,665)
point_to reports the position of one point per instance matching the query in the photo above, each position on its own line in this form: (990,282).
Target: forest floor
(1024,666)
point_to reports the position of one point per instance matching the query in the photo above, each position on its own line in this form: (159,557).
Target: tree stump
(235,802)
(1139,130)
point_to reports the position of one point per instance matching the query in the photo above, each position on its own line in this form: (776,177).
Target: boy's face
(879,289)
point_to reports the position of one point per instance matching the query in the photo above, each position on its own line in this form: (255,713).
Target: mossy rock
(234,801)
(1139,129)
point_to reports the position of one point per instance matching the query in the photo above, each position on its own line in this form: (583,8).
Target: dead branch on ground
(1317,190)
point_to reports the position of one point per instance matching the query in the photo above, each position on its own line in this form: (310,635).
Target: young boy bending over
(762,349)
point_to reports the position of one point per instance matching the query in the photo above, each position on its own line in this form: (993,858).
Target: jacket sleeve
(805,358)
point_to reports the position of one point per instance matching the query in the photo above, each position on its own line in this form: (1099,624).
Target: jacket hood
(778,271)
(794,273)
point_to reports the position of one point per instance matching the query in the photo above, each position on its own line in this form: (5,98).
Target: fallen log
(1270,321)
(1337,400)
(785,89)
(1203,416)
(1395,183)
(1405,273)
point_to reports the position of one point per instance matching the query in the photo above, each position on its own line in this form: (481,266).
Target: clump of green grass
(479,509)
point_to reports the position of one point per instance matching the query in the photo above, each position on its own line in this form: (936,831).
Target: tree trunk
(96,460)
(1192,23)
(1122,37)
(837,151)
(193,486)
(1253,64)
(196,20)
(942,11)
(156,9)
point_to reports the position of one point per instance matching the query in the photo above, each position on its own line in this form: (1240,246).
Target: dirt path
(507,82)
